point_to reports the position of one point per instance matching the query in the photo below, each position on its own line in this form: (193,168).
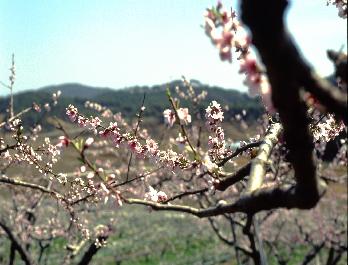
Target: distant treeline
(128,100)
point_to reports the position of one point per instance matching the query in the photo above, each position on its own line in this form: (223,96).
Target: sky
(117,44)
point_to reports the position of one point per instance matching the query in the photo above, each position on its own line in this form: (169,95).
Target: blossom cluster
(233,35)
(12,76)
(190,93)
(229,36)
(341,6)
(47,105)
(55,97)
(156,196)
(149,149)
(43,157)
(327,128)
(170,117)
(105,112)
(217,145)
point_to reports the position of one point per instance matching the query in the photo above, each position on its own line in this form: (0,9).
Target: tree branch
(91,251)
(287,73)
(17,244)
(251,203)
(16,116)
(34,186)
(238,151)
(259,163)
(233,178)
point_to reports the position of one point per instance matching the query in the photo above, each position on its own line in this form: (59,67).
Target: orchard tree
(194,167)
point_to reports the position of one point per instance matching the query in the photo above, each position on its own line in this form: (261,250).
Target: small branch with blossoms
(149,150)
(254,194)
(103,185)
(114,184)
(184,194)
(341,6)
(218,151)
(139,115)
(16,116)
(182,116)
(234,36)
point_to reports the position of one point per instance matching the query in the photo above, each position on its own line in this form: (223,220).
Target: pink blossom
(220,133)
(181,140)
(161,196)
(82,121)
(184,115)
(135,146)
(248,64)
(63,142)
(71,111)
(36,107)
(214,113)
(95,122)
(156,196)
(224,44)
(112,132)
(169,117)
(104,188)
(152,147)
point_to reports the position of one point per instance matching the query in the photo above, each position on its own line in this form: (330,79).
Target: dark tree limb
(238,151)
(330,96)
(12,254)
(257,168)
(91,251)
(186,193)
(227,241)
(339,60)
(251,203)
(287,73)
(256,257)
(312,253)
(25,256)
(233,178)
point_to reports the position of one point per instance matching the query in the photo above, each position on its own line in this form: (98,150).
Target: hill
(128,100)
(73,90)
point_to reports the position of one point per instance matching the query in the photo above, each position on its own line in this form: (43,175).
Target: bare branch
(233,178)
(186,193)
(34,186)
(19,114)
(238,151)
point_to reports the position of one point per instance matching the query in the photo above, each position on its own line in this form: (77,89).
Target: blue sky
(117,44)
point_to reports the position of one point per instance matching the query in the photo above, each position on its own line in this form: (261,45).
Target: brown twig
(141,111)
(238,151)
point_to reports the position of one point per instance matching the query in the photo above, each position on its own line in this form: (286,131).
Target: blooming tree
(196,168)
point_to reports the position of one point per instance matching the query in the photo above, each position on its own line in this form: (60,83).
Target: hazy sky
(114,43)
